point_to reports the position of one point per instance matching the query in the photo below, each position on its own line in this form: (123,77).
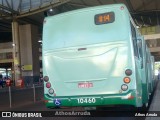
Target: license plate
(85,85)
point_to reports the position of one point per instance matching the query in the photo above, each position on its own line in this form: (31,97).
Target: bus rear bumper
(128,98)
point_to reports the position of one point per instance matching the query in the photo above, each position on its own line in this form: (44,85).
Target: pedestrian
(40,78)
(4,81)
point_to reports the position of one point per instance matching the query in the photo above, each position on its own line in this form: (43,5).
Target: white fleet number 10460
(86,100)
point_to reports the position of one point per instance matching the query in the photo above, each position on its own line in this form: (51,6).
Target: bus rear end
(87,58)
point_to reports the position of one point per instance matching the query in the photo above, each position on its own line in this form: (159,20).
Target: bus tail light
(127,80)
(45,101)
(124,87)
(48,84)
(128,72)
(46,78)
(51,91)
(131,97)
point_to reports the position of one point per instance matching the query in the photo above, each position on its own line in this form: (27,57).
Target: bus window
(139,44)
(134,40)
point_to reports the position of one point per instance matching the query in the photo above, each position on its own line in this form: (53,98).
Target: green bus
(95,57)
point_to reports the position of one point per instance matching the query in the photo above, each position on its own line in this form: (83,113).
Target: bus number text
(86,100)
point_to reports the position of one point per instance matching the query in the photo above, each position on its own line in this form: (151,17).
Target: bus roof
(88,9)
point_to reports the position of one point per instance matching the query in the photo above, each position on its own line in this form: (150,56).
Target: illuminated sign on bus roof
(104,18)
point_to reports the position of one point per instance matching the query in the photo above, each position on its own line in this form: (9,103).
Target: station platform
(155,103)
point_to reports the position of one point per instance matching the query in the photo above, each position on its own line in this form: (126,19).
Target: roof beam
(5,26)
(151,37)
(8,9)
(8,4)
(18,8)
(130,5)
(67,7)
(100,2)
(41,9)
(83,2)
(40,2)
(142,20)
(115,1)
(28,20)
(70,7)
(79,5)
(144,4)
(30,4)
(135,20)
(156,4)
(154,49)
(4,13)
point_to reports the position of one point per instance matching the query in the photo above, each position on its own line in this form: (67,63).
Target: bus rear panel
(88,58)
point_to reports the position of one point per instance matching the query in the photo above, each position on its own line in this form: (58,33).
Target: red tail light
(45,101)
(48,84)
(131,97)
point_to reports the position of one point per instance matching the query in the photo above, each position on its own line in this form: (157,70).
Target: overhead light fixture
(13,44)
(137,26)
(39,41)
(51,10)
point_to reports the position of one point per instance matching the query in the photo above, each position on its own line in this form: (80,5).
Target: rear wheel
(145,107)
